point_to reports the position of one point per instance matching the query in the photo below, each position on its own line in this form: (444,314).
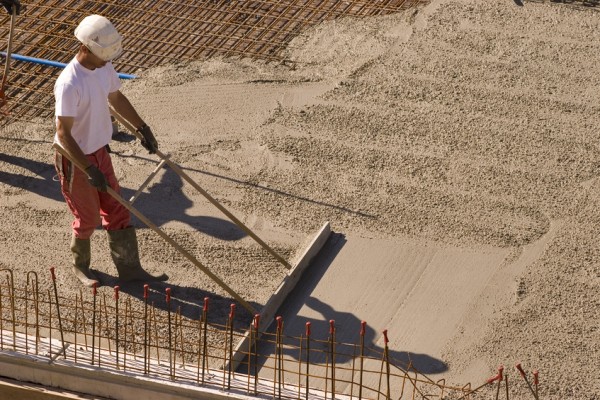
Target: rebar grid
(119,333)
(162,31)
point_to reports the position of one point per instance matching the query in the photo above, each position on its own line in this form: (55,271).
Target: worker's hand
(96,178)
(8,4)
(149,142)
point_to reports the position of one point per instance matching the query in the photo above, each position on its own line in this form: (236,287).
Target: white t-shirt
(83,94)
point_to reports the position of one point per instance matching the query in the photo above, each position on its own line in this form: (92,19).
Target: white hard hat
(100,36)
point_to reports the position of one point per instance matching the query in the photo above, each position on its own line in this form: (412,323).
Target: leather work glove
(149,142)
(8,4)
(96,178)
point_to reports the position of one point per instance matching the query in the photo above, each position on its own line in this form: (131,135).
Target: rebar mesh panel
(162,31)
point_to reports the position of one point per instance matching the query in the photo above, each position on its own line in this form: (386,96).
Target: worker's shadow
(42,184)
(347,336)
(166,201)
(185,300)
(347,325)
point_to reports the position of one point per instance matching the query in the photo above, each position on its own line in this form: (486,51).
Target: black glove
(149,142)
(8,4)
(96,178)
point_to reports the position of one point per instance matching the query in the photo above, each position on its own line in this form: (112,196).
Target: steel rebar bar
(62,338)
(94,293)
(117,288)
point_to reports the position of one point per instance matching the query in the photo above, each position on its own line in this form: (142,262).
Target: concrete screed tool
(266,315)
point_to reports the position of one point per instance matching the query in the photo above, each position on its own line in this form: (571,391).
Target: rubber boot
(124,251)
(81,261)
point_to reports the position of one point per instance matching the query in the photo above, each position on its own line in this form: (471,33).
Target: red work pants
(88,205)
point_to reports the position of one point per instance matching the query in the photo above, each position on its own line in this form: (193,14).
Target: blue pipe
(52,63)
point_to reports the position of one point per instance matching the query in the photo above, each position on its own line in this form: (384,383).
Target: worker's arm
(122,105)
(124,108)
(66,141)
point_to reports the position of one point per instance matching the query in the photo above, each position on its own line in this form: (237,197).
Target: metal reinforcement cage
(105,332)
(159,32)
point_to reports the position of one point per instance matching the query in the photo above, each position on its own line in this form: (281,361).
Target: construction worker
(9,4)
(83,92)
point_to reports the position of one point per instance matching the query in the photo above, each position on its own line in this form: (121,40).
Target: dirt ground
(469,124)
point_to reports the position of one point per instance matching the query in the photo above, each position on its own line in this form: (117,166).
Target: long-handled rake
(165,160)
(167,238)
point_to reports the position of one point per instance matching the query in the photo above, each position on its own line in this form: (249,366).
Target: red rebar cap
(256,321)
(518,366)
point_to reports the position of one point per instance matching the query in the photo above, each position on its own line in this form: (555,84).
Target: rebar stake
(307,357)
(49,324)
(156,336)
(11,294)
(75,327)
(255,353)
(499,377)
(126,331)
(279,355)
(94,293)
(146,349)
(26,320)
(179,319)
(522,372)
(168,299)
(84,320)
(250,347)
(36,293)
(230,355)
(301,342)
(353,371)
(198,366)
(204,340)
(117,325)
(363,329)
(332,351)
(100,328)
(62,339)
(386,353)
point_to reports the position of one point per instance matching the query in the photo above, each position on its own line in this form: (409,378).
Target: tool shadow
(166,202)
(42,184)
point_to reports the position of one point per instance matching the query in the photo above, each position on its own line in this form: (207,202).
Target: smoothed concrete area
(421,292)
